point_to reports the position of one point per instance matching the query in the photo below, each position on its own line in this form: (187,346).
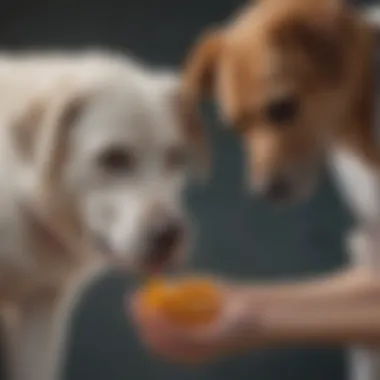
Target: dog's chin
(155,264)
(144,265)
(138,266)
(143,262)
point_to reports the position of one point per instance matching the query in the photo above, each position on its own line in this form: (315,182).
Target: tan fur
(316,49)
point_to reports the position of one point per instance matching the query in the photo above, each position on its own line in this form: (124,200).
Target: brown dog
(292,78)
(295,79)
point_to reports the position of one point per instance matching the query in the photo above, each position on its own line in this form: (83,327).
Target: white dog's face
(126,167)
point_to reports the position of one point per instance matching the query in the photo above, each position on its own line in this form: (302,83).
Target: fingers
(190,346)
(159,341)
(166,341)
(183,353)
(228,321)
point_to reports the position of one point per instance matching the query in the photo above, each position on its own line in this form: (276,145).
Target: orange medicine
(186,302)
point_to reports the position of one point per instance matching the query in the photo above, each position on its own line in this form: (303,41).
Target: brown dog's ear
(196,135)
(199,68)
(189,121)
(197,82)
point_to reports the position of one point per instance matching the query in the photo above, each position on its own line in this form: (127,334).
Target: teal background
(239,236)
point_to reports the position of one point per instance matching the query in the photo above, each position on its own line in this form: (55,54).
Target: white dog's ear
(52,144)
(41,136)
(26,127)
(191,123)
(41,132)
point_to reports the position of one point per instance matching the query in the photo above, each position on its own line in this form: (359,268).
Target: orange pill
(186,302)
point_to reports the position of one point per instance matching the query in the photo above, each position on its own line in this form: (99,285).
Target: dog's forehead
(250,73)
(253,45)
(130,115)
(256,64)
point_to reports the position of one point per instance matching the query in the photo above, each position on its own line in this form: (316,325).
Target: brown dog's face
(277,73)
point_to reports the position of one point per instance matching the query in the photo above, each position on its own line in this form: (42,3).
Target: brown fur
(318,50)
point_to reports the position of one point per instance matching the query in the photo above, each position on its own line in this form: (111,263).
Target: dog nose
(164,239)
(278,189)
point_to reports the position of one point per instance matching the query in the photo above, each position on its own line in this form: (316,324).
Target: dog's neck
(41,239)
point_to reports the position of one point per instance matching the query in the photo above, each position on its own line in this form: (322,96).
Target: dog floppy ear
(41,136)
(190,123)
(54,134)
(197,83)
(199,69)
(196,135)
(40,132)
(25,128)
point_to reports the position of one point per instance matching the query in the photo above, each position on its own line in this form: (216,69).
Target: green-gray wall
(239,236)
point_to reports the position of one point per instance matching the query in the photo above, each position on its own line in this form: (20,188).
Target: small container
(186,302)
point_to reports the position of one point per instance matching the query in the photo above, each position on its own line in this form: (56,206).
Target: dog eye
(117,159)
(282,111)
(175,158)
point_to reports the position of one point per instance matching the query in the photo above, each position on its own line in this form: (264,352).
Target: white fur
(360,186)
(358,183)
(125,105)
(372,14)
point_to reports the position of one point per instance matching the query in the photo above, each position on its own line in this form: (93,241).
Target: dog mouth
(157,263)
(288,190)
(149,262)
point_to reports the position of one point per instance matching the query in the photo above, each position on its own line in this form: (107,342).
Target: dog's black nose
(278,189)
(164,239)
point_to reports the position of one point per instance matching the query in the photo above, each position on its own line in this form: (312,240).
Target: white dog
(93,153)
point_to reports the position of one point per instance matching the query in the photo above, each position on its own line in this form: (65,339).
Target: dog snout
(164,238)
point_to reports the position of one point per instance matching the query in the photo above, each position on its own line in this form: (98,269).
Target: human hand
(234,329)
